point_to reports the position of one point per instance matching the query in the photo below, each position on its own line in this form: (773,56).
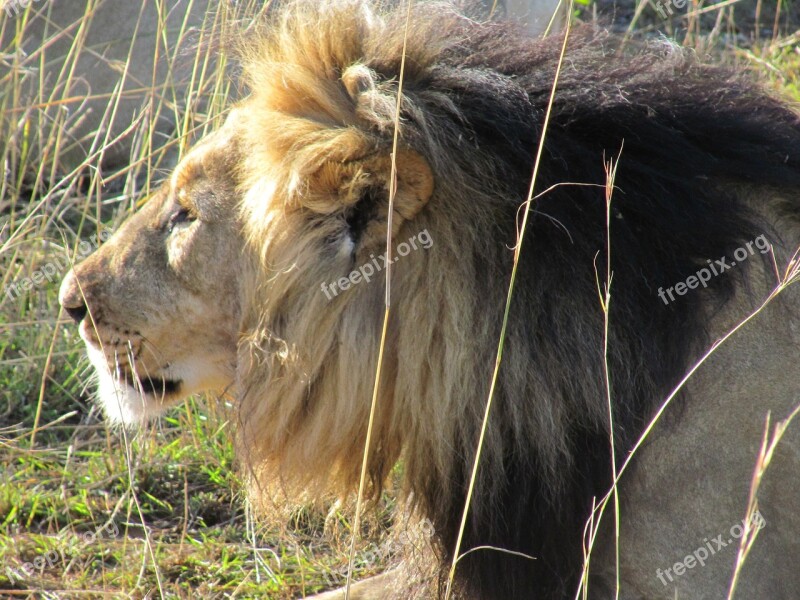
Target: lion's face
(158,304)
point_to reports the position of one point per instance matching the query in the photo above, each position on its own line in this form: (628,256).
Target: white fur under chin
(121,403)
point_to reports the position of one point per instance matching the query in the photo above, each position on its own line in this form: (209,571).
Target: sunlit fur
(293,191)
(317,132)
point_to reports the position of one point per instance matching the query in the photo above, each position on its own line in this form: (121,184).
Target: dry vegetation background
(90,512)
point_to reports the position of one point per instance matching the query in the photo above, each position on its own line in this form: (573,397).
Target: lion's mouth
(132,397)
(154,386)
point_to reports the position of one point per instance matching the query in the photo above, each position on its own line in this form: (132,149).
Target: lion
(219,283)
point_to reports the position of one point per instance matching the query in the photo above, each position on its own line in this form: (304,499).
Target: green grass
(163,509)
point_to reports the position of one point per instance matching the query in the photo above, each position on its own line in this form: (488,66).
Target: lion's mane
(317,138)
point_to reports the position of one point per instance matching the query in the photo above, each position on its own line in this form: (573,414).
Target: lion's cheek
(207,374)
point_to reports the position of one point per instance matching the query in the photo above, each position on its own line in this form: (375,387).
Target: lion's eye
(182,216)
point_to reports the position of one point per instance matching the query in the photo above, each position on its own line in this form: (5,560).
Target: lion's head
(231,276)
(259,267)
(159,304)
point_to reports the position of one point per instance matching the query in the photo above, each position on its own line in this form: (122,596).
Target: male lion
(219,282)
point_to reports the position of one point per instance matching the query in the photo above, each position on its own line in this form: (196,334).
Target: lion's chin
(127,403)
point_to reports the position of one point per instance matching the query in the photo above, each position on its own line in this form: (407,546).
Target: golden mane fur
(320,116)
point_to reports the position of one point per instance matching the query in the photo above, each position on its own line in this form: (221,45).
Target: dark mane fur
(689,135)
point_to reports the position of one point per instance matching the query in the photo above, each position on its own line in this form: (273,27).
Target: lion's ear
(359,190)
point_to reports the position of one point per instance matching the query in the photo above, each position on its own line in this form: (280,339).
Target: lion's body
(708,163)
(692,479)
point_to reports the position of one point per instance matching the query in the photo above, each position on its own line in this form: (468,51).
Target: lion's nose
(71,298)
(76,312)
